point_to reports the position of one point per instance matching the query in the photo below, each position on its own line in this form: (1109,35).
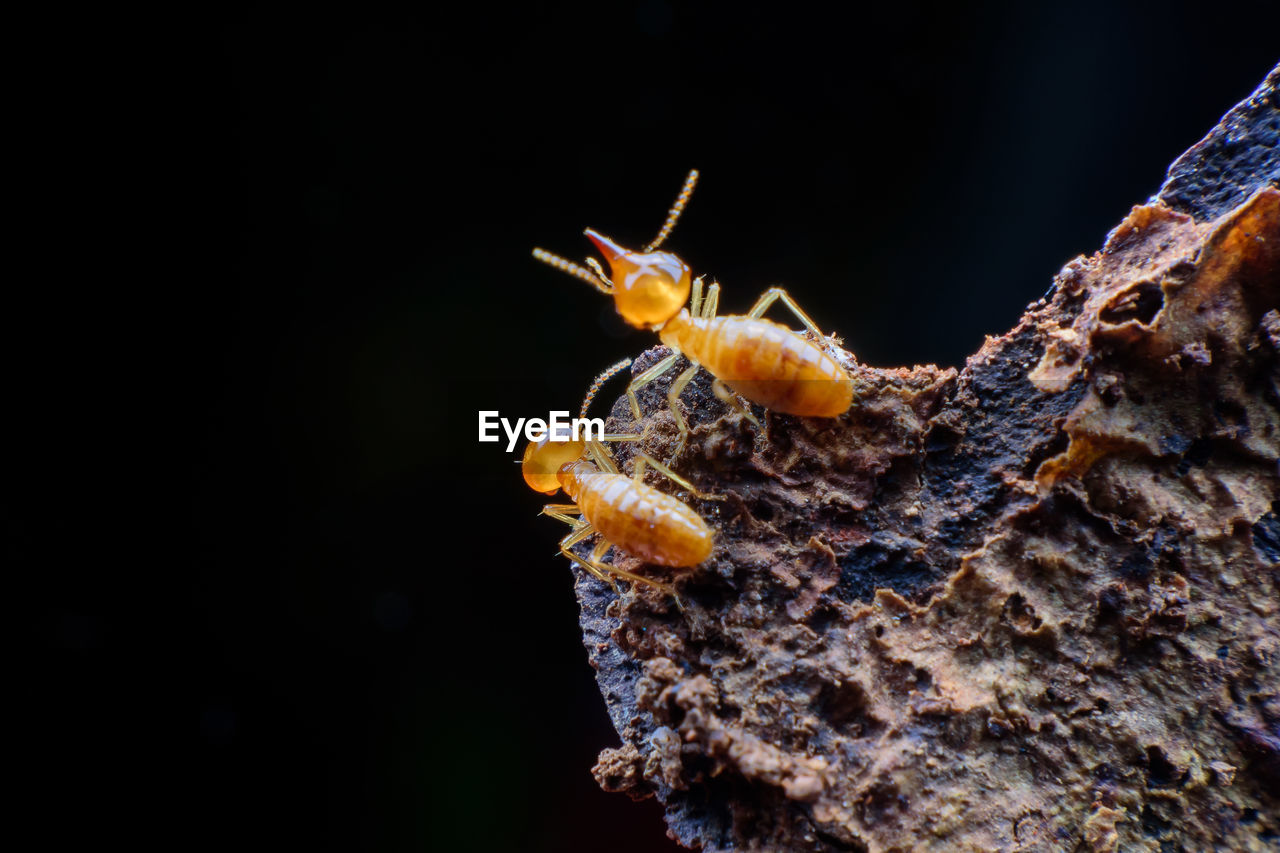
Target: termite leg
(695,298)
(601,456)
(677,387)
(574,538)
(598,569)
(775,293)
(563,512)
(642,457)
(580,531)
(621,436)
(645,378)
(602,548)
(673,402)
(726,395)
(592,564)
(600,453)
(712,302)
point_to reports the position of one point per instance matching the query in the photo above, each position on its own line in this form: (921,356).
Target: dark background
(340,613)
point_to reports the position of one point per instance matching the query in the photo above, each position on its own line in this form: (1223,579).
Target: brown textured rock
(1031,605)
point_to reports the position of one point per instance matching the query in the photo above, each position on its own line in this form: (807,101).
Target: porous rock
(1030,605)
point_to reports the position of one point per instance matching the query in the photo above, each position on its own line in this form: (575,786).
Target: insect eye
(542,459)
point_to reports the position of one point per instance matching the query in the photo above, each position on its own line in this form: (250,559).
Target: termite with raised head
(628,514)
(763,361)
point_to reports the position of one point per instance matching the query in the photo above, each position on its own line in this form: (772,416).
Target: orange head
(544,459)
(649,288)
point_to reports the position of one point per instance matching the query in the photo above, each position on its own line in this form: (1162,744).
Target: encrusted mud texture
(1030,605)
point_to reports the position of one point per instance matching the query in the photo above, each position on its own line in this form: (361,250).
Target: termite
(627,514)
(763,361)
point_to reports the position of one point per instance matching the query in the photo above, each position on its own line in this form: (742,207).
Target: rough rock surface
(1033,605)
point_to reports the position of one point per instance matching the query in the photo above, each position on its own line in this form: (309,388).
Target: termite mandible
(763,361)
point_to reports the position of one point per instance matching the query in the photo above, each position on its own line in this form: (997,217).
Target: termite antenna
(604,377)
(565,265)
(676,209)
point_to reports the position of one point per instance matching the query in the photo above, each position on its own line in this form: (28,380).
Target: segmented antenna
(565,265)
(608,374)
(676,209)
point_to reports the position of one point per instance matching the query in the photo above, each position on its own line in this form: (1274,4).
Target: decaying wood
(1030,605)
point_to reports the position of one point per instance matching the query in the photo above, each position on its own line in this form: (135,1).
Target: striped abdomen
(765,362)
(638,519)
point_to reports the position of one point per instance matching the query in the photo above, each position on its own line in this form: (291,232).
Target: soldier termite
(763,361)
(628,514)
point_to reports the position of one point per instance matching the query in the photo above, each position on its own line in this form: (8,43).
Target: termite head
(544,459)
(649,288)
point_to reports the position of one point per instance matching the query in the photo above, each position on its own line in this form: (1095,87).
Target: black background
(337,611)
